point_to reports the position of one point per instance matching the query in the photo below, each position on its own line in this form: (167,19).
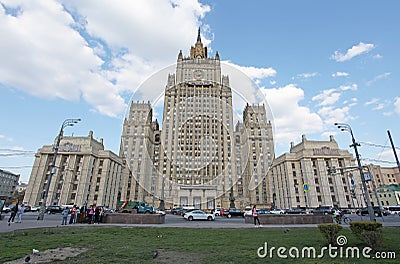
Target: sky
(314,63)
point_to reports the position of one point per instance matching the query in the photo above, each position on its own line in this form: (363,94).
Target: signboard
(306,188)
(367,176)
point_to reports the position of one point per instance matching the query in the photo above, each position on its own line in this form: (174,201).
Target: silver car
(198,215)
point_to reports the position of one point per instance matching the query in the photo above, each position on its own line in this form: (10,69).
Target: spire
(198,36)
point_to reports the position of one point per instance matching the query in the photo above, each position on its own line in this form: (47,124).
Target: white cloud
(352,87)
(372,101)
(327,97)
(352,52)
(339,74)
(332,115)
(379,107)
(397,105)
(378,77)
(378,56)
(92,50)
(307,75)
(253,72)
(290,118)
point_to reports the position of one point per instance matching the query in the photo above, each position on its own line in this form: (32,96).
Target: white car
(35,208)
(277,211)
(198,215)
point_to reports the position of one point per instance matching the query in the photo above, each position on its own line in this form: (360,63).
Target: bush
(369,233)
(330,232)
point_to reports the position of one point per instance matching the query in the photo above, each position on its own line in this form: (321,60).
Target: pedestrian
(14,211)
(91,214)
(78,214)
(20,211)
(255,217)
(97,212)
(64,214)
(72,219)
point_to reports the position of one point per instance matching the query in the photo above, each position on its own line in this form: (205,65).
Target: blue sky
(315,63)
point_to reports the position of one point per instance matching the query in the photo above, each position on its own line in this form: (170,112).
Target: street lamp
(66,123)
(346,127)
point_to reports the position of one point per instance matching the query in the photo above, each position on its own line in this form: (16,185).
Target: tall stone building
(85,174)
(304,177)
(254,146)
(192,160)
(139,149)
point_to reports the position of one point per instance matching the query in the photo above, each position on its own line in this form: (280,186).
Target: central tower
(196,150)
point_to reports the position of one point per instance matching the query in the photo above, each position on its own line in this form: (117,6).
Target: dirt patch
(177,257)
(49,255)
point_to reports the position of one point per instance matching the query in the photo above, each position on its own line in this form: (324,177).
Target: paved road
(29,221)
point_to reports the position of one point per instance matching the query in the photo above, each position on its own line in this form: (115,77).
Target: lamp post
(346,127)
(66,123)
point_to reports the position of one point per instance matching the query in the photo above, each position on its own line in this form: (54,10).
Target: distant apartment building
(386,182)
(304,177)
(8,184)
(85,174)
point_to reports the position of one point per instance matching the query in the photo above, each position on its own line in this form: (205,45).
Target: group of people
(91,215)
(16,211)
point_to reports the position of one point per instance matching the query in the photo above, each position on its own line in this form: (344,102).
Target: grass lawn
(180,245)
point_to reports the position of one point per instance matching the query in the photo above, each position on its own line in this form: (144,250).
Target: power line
(377,160)
(377,145)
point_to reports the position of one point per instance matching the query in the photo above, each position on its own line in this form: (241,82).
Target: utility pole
(346,127)
(394,151)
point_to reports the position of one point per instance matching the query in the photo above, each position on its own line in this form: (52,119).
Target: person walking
(64,214)
(72,219)
(255,217)
(14,211)
(20,211)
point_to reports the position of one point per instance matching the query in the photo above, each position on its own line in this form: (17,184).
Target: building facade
(140,143)
(8,184)
(191,161)
(85,174)
(305,177)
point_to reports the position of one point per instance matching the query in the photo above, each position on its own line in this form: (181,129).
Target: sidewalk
(29,224)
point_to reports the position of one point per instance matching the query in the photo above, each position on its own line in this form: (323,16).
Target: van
(393,209)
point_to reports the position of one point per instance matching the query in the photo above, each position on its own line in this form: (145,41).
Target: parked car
(184,211)
(35,208)
(263,211)
(198,215)
(323,210)
(377,211)
(218,211)
(53,209)
(295,211)
(176,211)
(6,209)
(394,209)
(277,211)
(234,212)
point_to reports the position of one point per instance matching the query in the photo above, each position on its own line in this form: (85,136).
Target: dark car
(176,211)
(377,211)
(54,209)
(234,212)
(295,211)
(263,211)
(323,210)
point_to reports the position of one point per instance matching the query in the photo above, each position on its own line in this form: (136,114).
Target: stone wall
(271,219)
(121,218)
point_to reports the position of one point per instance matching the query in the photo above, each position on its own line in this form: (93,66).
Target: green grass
(137,244)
